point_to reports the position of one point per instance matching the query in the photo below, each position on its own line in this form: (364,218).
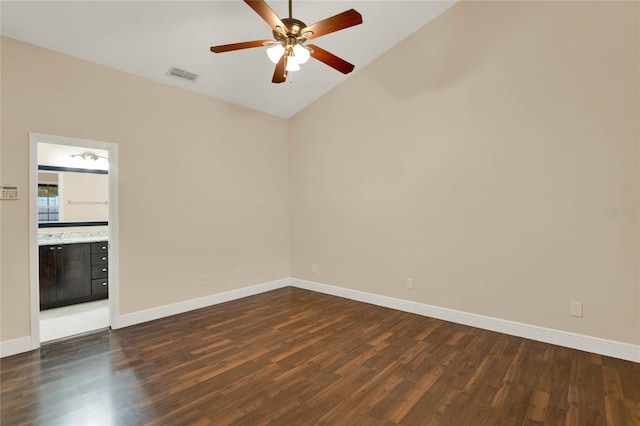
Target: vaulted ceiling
(146,38)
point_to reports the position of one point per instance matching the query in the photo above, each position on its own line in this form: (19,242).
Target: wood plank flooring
(295,357)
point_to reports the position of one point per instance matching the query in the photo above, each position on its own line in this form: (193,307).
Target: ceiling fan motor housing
(293,25)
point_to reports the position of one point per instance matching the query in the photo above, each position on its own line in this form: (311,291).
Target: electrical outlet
(409,283)
(203,280)
(575,309)
(314,268)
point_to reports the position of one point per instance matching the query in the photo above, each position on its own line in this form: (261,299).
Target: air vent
(185,75)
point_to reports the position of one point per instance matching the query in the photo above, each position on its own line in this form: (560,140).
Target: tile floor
(75,319)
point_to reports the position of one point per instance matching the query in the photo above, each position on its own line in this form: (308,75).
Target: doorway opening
(73,236)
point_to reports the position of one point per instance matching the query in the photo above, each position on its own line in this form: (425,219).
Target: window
(48,210)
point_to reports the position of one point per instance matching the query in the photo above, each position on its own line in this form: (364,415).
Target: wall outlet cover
(575,309)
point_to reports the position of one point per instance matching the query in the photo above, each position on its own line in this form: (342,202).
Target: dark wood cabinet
(75,281)
(48,275)
(100,269)
(67,274)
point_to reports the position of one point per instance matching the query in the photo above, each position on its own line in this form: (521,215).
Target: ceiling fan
(288,50)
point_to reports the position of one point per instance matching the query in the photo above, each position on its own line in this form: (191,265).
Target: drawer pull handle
(104,258)
(52,248)
(104,247)
(104,284)
(104,269)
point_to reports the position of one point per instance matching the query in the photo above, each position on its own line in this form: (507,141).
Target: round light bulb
(275,52)
(292,64)
(302,53)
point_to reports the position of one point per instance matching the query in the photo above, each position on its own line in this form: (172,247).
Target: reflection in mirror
(48,207)
(72,196)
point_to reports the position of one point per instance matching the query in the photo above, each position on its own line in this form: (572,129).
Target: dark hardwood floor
(293,356)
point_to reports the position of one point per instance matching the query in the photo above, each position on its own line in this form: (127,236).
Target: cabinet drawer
(99,247)
(99,271)
(99,287)
(99,259)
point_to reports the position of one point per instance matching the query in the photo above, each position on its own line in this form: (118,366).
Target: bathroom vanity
(73,269)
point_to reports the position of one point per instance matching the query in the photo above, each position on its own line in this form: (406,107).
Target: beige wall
(203,184)
(480,158)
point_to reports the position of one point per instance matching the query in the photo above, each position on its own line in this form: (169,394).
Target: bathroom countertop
(72,237)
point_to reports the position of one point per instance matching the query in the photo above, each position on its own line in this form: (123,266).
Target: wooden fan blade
(266,13)
(238,46)
(330,59)
(280,74)
(335,23)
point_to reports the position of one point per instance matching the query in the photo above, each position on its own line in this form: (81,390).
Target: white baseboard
(190,305)
(15,346)
(596,345)
(25,344)
(567,339)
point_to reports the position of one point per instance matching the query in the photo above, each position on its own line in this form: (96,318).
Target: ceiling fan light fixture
(275,52)
(89,159)
(301,53)
(292,64)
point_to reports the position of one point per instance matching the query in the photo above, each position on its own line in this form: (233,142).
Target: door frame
(114,268)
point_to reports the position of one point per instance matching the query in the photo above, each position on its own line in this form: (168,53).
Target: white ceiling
(145,38)
(61,156)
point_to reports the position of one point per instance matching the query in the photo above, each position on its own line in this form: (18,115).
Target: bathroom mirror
(72,197)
